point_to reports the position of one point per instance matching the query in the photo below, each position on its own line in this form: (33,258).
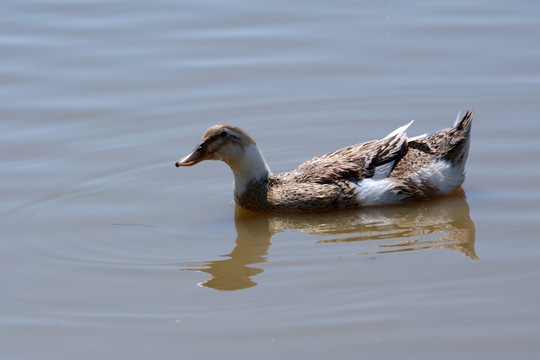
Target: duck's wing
(373,159)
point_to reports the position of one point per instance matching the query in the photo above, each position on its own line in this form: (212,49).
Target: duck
(393,170)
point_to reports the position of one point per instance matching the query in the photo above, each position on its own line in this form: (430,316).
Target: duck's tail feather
(465,123)
(459,140)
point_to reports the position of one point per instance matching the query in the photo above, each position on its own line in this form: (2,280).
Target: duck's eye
(223,133)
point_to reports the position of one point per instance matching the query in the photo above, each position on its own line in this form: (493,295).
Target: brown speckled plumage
(449,144)
(326,181)
(333,180)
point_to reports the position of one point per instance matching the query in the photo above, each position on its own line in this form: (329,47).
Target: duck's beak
(199,154)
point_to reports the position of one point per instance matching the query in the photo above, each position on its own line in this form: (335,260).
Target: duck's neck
(248,168)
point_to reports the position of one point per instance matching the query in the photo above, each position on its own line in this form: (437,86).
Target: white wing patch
(377,192)
(383,171)
(441,174)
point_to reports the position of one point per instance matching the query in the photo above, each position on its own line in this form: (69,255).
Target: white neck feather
(249,167)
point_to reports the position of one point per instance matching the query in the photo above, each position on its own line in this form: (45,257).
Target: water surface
(109,251)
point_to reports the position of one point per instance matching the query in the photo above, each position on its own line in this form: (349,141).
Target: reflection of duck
(234,273)
(441,223)
(393,170)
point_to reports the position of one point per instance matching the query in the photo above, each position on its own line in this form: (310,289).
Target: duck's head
(220,142)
